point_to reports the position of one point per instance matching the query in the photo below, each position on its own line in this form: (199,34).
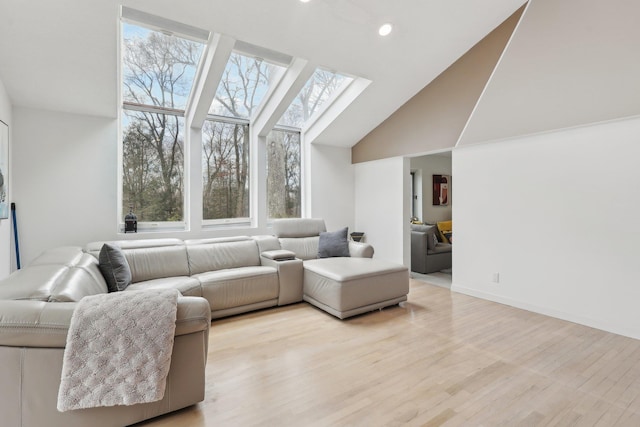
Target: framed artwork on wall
(441,190)
(4,170)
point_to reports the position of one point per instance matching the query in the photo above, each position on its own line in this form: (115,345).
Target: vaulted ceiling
(63,56)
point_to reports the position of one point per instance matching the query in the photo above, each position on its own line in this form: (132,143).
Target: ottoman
(345,286)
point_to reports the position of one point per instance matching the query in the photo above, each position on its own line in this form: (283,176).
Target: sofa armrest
(360,249)
(419,249)
(45,324)
(279,255)
(290,276)
(26,323)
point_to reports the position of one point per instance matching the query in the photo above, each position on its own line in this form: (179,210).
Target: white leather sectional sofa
(216,277)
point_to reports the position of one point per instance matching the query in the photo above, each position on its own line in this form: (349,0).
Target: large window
(157,74)
(225,170)
(153,166)
(283,174)
(160,68)
(225,138)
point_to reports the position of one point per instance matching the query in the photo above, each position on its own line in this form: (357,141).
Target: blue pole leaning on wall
(15,233)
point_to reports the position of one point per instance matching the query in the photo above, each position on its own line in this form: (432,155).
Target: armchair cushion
(431,232)
(334,243)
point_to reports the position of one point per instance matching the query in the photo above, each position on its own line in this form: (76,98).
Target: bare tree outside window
(283,174)
(225,166)
(158,72)
(225,144)
(283,147)
(318,89)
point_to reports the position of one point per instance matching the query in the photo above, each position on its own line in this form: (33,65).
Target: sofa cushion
(114,267)
(239,286)
(421,227)
(221,255)
(188,286)
(304,247)
(32,283)
(149,263)
(432,234)
(298,227)
(440,248)
(334,243)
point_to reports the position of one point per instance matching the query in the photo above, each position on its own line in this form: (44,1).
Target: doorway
(428,208)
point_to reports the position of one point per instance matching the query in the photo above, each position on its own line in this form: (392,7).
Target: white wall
(64,179)
(6,239)
(557,216)
(437,164)
(331,177)
(382,207)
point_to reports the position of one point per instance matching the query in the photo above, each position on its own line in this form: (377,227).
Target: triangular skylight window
(243,86)
(320,87)
(157,69)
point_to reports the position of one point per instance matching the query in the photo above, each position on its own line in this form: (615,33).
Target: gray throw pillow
(333,243)
(114,267)
(432,240)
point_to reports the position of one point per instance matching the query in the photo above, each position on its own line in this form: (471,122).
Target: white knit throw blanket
(118,349)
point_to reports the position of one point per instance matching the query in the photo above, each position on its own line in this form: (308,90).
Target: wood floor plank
(439,359)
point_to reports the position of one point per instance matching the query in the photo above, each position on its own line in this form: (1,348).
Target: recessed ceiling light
(305,1)
(385,29)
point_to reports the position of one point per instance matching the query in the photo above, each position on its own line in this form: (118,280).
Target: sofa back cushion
(150,258)
(63,274)
(80,280)
(220,254)
(157,262)
(304,247)
(298,227)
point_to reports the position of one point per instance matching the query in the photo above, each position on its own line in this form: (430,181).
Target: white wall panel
(382,209)
(332,179)
(556,215)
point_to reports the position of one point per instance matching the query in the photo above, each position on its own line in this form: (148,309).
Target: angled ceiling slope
(434,118)
(570,63)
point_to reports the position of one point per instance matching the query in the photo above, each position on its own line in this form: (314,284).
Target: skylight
(157,69)
(320,87)
(244,83)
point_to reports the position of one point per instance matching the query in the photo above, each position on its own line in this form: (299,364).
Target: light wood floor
(441,358)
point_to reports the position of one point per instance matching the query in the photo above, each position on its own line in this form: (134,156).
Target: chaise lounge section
(343,286)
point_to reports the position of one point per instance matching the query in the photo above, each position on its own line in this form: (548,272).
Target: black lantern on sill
(130,222)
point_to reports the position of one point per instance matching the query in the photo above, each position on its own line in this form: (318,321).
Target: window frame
(238,221)
(168,27)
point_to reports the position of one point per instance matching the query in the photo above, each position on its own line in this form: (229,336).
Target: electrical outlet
(495,277)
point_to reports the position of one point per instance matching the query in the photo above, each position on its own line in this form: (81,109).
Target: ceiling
(63,55)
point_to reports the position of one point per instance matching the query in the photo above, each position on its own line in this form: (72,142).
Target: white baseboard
(593,323)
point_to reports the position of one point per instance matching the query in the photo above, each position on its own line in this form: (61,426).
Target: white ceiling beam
(212,68)
(278,100)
